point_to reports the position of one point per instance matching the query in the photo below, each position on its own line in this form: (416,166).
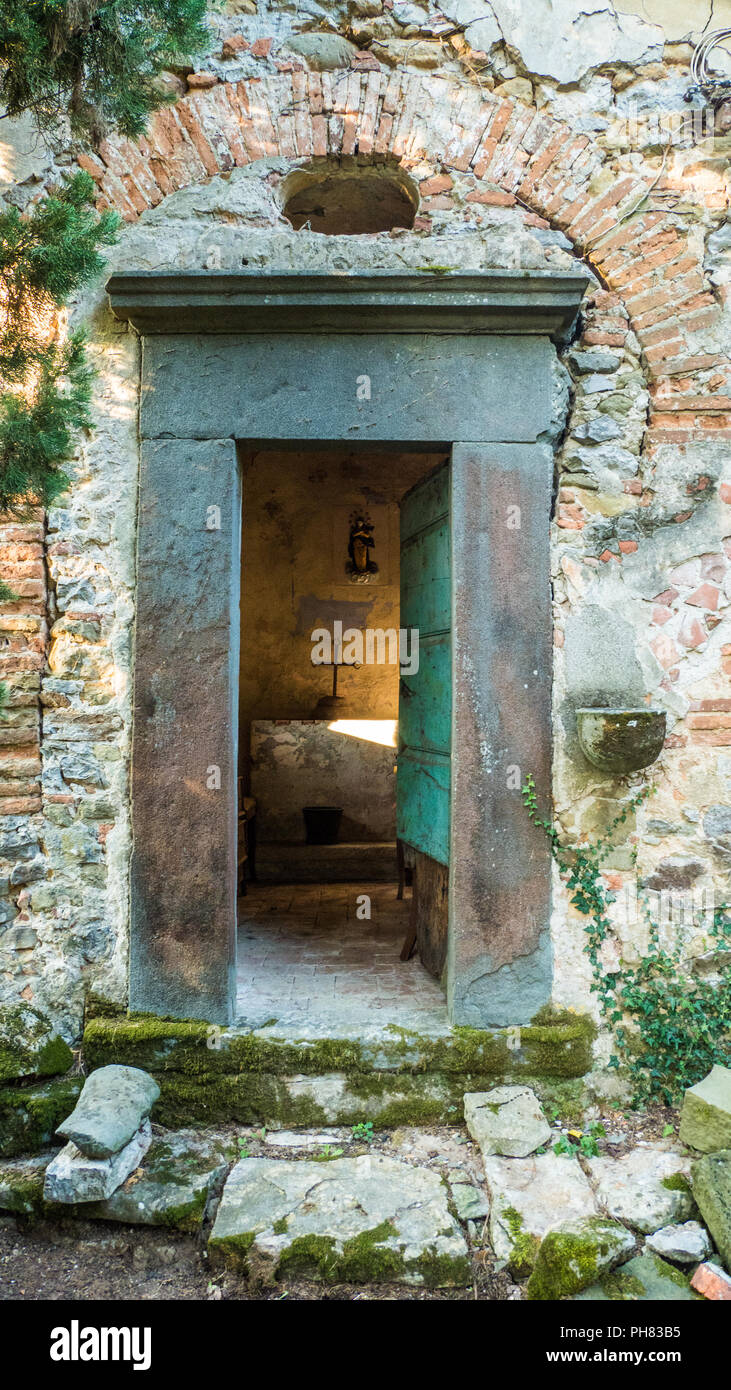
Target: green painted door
(425,698)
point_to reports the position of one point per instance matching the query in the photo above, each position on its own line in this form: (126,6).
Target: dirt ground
(89,1261)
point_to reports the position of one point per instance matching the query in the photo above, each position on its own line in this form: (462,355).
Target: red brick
(438,183)
(492,197)
(234,45)
(708,721)
(713,1282)
(20,806)
(91,166)
(260,48)
(706,596)
(596,338)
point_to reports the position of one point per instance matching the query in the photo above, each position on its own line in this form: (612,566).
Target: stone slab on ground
(528,1197)
(711,1178)
(645,1279)
(29,1045)
(171,1186)
(646,1188)
(684,1244)
(348,1220)
(705,1120)
(72,1177)
(574,1254)
(114,1102)
(506,1120)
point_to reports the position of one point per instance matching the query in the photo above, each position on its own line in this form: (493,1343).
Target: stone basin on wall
(621,740)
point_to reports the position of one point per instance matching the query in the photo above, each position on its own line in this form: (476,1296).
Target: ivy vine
(669,1027)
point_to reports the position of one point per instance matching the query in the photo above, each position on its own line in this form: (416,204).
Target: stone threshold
(269,1074)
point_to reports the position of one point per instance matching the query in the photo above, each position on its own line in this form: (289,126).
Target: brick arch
(513,152)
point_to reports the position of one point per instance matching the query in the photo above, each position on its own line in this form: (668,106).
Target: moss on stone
(280,1227)
(569,1260)
(525,1245)
(439,1271)
(668,1271)
(404,1078)
(22,1193)
(310,1257)
(621,1287)
(367,1259)
(233,1250)
(559,1048)
(98,1006)
(29,1115)
(28,1047)
(676,1182)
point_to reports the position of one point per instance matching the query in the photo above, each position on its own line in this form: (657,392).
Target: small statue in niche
(360,564)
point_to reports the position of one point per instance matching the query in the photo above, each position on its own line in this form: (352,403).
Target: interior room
(326,907)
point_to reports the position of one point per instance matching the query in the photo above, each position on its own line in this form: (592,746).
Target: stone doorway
(452,361)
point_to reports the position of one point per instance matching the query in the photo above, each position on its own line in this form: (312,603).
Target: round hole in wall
(349,201)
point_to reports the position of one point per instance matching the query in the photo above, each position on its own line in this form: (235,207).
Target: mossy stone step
(391,1076)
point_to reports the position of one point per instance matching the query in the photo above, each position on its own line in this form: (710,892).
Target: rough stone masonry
(537,136)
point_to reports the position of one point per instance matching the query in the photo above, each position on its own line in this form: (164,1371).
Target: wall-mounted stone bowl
(621,740)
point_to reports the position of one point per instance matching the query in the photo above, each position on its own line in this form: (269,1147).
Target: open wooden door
(425,708)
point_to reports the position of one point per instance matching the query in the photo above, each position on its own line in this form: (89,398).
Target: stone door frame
(454,361)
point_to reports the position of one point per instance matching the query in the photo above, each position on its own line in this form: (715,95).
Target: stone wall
(568,139)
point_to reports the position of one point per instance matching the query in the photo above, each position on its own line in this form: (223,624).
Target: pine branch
(45,257)
(97,61)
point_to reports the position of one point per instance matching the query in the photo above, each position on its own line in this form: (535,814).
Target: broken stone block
(74,1177)
(712,1282)
(171,1186)
(647,1188)
(507,1120)
(29,1045)
(528,1197)
(711,1178)
(114,1102)
(349,1220)
(645,1279)
(705,1121)
(574,1254)
(684,1244)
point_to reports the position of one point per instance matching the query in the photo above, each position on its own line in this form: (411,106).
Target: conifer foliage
(99,60)
(97,63)
(45,255)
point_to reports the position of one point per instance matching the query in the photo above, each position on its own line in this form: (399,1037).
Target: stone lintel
(218,302)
